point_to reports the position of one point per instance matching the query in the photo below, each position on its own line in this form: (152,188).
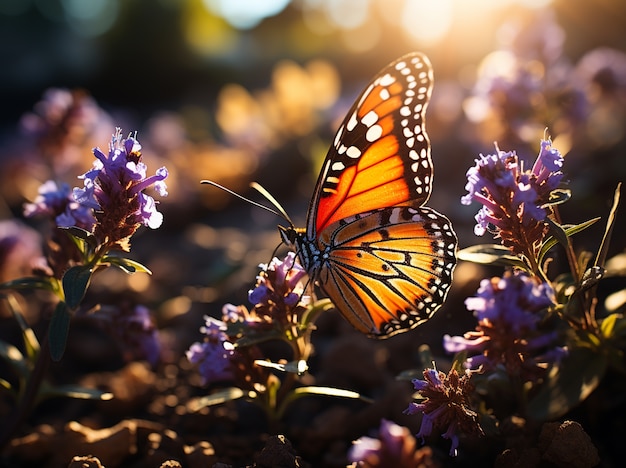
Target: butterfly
(372,246)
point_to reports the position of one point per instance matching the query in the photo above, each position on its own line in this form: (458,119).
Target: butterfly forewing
(380,156)
(391,268)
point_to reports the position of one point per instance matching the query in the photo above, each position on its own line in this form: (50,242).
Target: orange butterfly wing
(381,155)
(389,270)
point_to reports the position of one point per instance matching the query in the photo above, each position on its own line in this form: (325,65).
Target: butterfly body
(382,257)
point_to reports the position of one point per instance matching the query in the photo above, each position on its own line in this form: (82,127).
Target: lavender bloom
(63,123)
(56,201)
(215,354)
(278,289)
(395,446)
(446,406)
(509,312)
(134,330)
(514,199)
(114,188)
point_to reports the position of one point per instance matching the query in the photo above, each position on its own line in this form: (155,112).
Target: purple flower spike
(215,354)
(114,188)
(278,291)
(446,406)
(509,312)
(514,200)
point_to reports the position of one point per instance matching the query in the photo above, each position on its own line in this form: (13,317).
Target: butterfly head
(290,235)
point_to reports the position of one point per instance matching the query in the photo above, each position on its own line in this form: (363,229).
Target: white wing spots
(332,179)
(400,65)
(414,156)
(414,167)
(384,94)
(370,118)
(405,111)
(418,108)
(342,149)
(338,136)
(387,79)
(352,122)
(374,133)
(338,166)
(410,142)
(353,152)
(406,131)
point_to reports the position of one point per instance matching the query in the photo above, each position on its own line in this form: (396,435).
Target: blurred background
(246,90)
(236,91)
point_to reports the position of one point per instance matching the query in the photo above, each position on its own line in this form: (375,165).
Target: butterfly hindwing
(389,270)
(380,156)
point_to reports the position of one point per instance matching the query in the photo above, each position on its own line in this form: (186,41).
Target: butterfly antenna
(280,213)
(259,188)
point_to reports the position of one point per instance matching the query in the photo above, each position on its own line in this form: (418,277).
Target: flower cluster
(446,406)
(214,355)
(278,290)
(55,201)
(514,199)
(114,189)
(510,311)
(395,446)
(63,124)
(133,330)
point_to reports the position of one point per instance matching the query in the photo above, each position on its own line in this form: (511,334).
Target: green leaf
(295,367)
(126,264)
(6,385)
(561,235)
(75,283)
(28,335)
(30,283)
(490,254)
(73,391)
(310,316)
(228,394)
(607,326)
(84,240)
(256,338)
(58,330)
(15,359)
(328,391)
(608,230)
(568,383)
(559,196)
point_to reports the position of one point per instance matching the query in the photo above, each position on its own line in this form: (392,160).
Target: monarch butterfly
(383,258)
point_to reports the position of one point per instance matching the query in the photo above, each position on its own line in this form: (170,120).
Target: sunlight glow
(427,21)
(245,14)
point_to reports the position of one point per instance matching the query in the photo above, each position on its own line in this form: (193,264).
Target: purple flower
(445,407)
(395,446)
(133,329)
(514,200)
(279,289)
(56,201)
(509,311)
(215,354)
(114,188)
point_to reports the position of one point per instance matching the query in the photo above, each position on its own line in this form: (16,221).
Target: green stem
(28,395)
